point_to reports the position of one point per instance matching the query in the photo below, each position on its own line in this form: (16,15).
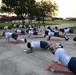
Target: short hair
(56,27)
(25,40)
(53,47)
(27,31)
(29,45)
(74,39)
(16,31)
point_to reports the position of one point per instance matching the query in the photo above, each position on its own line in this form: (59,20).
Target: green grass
(74,27)
(56,22)
(40,24)
(35,23)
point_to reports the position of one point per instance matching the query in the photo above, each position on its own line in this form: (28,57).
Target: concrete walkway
(14,61)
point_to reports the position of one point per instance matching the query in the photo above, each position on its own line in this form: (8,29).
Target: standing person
(35,45)
(62,57)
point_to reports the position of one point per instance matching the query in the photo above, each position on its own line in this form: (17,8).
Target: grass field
(74,28)
(39,24)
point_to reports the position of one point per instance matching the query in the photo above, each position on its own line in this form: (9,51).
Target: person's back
(51,33)
(66,30)
(8,34)
(7,27)
(20,26)
(30,32)
(62,56)
(35,44)
(18,31)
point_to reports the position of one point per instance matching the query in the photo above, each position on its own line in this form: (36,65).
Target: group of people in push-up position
(48,31)
(60,55)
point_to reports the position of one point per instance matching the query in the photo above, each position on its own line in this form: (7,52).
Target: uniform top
(8,34)
(20,25)
(15,25)
(62,56)
(31,28)
(6,27)
(48,30)
(30,32)
(35,44)
(51,33)
(18,31)
(66,30)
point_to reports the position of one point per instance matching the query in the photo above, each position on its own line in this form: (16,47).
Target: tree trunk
(43,20)
(38,19)
(23,20)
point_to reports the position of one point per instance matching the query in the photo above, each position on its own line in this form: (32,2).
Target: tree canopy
(47,8)
(30,8)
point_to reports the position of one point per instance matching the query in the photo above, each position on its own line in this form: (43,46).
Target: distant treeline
(6,18)
(71,19)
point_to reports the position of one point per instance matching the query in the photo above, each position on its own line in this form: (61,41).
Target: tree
(24,7)
(7,6)
(7,10)
(31,9)
(47,8)
(34,11)
(19,7)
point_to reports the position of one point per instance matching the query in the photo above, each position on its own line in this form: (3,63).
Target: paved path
(14,61)
(65,25)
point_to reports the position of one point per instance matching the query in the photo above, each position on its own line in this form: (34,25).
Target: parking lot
(14,61)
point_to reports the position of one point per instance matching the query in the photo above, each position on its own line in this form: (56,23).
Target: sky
(0,2)
(67,8)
